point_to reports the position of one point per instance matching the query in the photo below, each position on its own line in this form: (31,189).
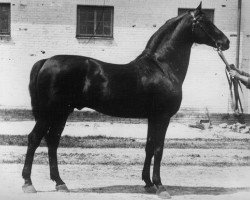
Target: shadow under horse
(173,190)
(148,87)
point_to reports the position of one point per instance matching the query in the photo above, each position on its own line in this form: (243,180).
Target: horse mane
(164,33)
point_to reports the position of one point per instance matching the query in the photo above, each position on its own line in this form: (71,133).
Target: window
(208,12)
(4,19)
(94,21)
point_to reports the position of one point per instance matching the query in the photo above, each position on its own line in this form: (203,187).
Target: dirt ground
(103,174)
(115,173)
(113,129)
(104,182)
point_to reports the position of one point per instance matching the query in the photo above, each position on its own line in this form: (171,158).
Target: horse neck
(171,46)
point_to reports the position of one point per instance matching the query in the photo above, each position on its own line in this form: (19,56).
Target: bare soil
(212,164)
(104,182)
(112,173)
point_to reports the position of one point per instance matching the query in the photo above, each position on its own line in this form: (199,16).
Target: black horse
(148,87)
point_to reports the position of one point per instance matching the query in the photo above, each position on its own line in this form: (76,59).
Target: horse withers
(148,87)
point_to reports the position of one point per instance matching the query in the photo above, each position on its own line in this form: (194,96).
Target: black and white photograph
(125,99)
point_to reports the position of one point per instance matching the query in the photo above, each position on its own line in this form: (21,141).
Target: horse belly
(130,106)
(123,110)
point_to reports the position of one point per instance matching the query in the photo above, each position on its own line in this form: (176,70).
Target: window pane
(107,16)
(99,16)
(83,29)
(107,24)
(4,25)
(99,28)
(4,18)
(107,31)
(83,16)
(209,14)
(90,28)
(90,15)
(92,20)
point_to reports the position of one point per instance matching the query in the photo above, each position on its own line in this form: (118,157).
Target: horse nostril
(226,44)
(223,44)
(219,44)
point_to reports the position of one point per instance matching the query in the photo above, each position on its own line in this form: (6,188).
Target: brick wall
(50,26)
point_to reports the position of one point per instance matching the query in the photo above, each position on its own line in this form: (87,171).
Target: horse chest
(165,95)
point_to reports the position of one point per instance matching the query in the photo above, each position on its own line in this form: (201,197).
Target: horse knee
(158,152)
(33,140)
(53,137)
(149,149)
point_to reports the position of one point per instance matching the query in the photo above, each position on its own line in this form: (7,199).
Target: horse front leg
(149,150)
(160,125)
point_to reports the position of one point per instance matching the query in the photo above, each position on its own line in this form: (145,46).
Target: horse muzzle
(223,44)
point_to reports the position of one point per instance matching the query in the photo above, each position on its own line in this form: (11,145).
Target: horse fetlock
(26,176)
(57,179)
(151,189)
(157,181)
(147,180)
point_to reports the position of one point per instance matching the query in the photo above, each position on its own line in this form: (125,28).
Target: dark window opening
(94,21)
(4,19)
(208,12)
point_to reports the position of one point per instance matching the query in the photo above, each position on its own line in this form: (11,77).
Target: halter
(197,22)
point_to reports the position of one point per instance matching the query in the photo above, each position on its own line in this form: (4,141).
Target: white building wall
(50,26)
(245,46)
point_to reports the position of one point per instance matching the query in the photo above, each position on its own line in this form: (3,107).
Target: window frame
(204,10)
(8,33)
(95,7)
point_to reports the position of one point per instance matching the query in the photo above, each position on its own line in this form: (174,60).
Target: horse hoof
(151,189)
(162,193)
(62,188)
(28,188)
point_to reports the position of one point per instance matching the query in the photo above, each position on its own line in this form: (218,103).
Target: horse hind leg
(53,139)
(40,129)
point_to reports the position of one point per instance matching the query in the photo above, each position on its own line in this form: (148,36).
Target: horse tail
(33,87)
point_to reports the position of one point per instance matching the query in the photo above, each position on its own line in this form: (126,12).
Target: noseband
(196,22)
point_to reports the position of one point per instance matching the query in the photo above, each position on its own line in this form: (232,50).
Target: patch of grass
(107,158)
(118,142)
(86,116)
(100,142)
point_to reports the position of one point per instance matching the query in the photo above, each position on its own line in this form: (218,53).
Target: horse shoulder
(95,81)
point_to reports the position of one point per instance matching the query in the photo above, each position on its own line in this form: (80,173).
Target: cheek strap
(197,22)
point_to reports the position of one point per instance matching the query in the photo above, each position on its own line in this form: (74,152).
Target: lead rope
(234,84)
(234,92)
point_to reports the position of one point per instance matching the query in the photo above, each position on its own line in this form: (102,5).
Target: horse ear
(199,7)
(197,11)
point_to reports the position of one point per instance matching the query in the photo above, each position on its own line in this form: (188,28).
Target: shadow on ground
(173,190)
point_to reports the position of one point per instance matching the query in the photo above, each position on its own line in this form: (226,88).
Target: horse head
(205,32)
